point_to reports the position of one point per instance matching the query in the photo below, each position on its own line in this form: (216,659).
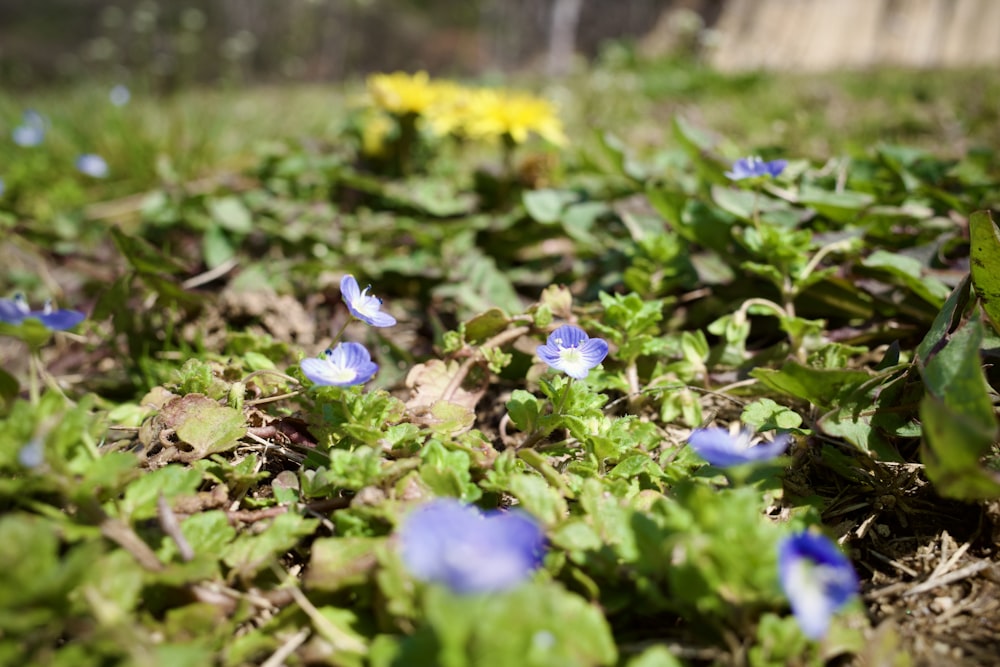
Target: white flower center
(367,305)
(341,373)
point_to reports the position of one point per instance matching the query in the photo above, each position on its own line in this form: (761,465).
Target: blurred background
(171,43)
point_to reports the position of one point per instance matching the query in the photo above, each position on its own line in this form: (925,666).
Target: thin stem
(756,207)
(562,399)
(34,364)
(766,303)
(343,328)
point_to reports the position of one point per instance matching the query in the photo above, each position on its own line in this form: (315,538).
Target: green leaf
(216,247)
(338,562)
(546,205)
(524,409)
(538,498)
(170,481)
(984,260)
(144,257)
(960,425)
(820,386)
(839,206)
(208,533)
(765,415)
(486,325)
(945,322)
(231,214)
(951,451)
(543,626)
(655,656)
(9,389)
(252,552)
(910,273)
(446,472)
(204,425)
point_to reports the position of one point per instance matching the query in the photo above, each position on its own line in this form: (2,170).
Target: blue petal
(27,136)
(717,446)
(594,350)
(549,354)
(722,449)
(775,167)
(11,312)
(380,319)
(349,289)
(60,320)
(430,531)
(817,579)
(567,336)
(92,165)
(453,544)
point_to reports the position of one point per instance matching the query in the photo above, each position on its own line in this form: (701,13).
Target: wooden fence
(811,35)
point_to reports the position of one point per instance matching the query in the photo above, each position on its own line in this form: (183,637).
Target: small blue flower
(31,131)
(362,305)
(3,186)
(346,365)
(754,167)
(448,542)
(817,578)
(722,448)
(569,349)
(16,310)
(32,454)
(120,95)
(92,165)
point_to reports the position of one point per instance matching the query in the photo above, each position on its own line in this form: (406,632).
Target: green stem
(538,433)
(343,328)
(34,366)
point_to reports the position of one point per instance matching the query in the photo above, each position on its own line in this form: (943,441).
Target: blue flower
(817,578)
(754,167)
(3,186)
(31,131)
(32,455)
(721,448)
(92,165)
(346,365)
(448,542)
(120,95)
(362,305)
(569,349)
(16,310)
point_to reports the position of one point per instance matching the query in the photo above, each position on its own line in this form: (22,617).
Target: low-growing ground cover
(456,376)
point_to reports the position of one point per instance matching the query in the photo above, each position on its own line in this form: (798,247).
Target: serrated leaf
(170,481)
(252,552)
(338,562)
(538,498)
(203,425)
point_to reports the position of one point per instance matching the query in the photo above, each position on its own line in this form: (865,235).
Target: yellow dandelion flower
(450,111)
(401,93)
(496,113)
